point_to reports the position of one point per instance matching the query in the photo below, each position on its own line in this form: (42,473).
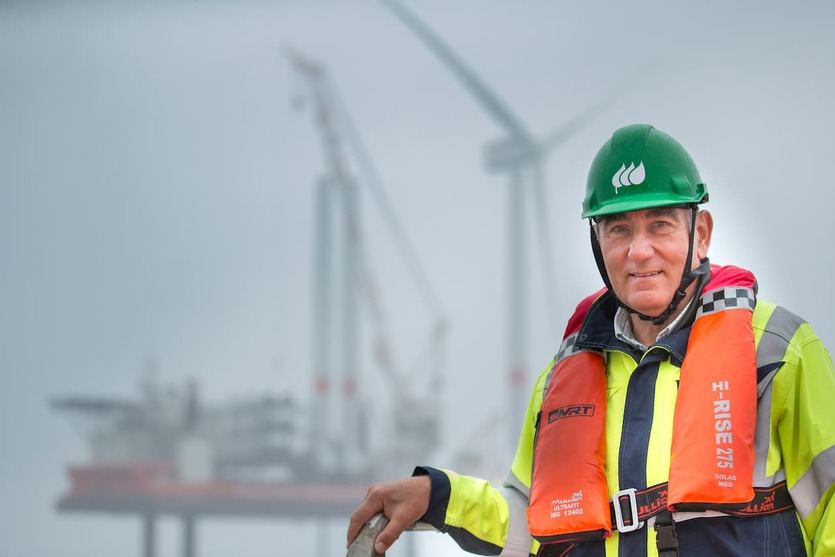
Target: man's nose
(640,247)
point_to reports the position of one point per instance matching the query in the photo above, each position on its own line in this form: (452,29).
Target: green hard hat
(641,167)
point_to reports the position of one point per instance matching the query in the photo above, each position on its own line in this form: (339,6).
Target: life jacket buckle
(624,502)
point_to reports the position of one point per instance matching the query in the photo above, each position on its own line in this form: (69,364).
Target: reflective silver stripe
(809,489)
(547,381)
(518,542)
(762,439)
(781,327)
(513,482)
(770,481)
(732,297)
(779,330)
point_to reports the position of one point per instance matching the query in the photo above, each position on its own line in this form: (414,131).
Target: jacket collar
(598,332)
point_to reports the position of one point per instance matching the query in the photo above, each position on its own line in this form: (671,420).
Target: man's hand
(403,502)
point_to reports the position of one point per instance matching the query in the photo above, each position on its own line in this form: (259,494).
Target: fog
(156,199)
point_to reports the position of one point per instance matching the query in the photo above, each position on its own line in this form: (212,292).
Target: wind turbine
(522,156)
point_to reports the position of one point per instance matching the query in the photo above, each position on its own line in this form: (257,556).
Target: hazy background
(156,197)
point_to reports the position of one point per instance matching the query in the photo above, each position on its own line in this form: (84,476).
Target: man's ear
(704,232)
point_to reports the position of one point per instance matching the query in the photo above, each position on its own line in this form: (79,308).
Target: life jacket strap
(767,500)
(558,549)
(648,502)
(666,538)
(653,500)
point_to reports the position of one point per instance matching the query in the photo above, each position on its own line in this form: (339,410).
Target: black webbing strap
(559,549)
(652,502)
(767,500)
(666,538)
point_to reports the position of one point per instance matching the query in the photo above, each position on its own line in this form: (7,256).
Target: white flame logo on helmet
(629,176)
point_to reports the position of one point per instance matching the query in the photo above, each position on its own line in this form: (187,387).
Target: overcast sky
(156,196)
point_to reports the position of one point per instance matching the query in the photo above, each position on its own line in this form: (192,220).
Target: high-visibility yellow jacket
(795,442)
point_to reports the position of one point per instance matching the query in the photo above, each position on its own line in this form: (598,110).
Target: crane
(415,419)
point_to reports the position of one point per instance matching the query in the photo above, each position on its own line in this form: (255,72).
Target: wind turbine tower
(521,156)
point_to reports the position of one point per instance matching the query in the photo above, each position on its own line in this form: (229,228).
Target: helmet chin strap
(687,276)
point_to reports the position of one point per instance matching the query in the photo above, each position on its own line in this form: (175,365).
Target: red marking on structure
(518,376)
(321,385)
(349,387)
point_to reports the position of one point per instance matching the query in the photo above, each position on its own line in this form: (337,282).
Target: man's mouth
(643,275)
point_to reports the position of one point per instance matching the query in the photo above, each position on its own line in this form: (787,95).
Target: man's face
(645,252)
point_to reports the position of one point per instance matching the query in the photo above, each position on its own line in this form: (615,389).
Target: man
(681,415)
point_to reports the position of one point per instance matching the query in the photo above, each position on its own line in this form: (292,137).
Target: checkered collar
(729,297)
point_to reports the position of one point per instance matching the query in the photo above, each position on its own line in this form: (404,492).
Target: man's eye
(662,225)
(618,230)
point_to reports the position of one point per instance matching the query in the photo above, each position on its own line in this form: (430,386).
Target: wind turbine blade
(495,108)
(546,251)
(572,126)
(301,62)
(576,123)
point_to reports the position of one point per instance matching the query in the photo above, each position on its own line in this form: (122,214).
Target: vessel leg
(149,535)
(321,538)
(189,548)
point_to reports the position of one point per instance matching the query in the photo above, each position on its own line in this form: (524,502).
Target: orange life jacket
(712,460)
